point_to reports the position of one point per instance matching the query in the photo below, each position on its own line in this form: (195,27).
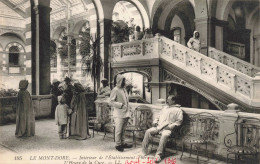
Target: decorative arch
(164,11)
(251,17)
(169,77)
(16,34)
(21,47)
(227,5)
(1,47)
(142,11)
(77,27)
(186,19)
(145,71)
(57,32)
(98,7)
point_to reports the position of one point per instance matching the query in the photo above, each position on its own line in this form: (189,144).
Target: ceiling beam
(20,4)
(11,6)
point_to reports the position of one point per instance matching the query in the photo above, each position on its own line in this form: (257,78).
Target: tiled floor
(46,143)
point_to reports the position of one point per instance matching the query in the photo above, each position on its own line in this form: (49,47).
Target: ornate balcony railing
(221,76)
(136,50)
(233,62)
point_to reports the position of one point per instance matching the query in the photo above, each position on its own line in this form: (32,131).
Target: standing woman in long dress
(25,118)
(79,118)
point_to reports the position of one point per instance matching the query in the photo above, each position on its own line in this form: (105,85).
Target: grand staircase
(221,76)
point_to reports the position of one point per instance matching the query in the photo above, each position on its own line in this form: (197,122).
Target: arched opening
(53,54)
(137,86)
(175,16)
(237,34)
(126,17)
(14,55)
(187,97)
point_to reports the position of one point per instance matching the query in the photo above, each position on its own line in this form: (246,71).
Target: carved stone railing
(225,122)
(231,81)
(135,50)
(233,62)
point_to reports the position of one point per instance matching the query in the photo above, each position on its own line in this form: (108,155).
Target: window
(14,53)
(177,34)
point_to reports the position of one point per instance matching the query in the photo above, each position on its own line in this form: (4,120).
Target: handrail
(229,80)
(233,62)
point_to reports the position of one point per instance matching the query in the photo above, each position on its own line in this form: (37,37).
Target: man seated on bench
(170,117)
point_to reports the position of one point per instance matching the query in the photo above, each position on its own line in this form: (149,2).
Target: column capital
(40,8)
(101,21)
(201,20)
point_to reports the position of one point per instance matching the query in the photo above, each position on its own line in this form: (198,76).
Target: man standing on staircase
(194,42)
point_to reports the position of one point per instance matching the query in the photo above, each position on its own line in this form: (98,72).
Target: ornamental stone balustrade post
(226,126)
(156,47)
(256,90)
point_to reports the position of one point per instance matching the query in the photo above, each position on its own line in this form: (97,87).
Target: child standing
(61,116)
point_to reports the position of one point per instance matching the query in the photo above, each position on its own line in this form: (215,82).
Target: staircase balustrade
(229,80)
(233,62)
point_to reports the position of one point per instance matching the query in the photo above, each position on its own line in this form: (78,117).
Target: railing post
(200,65)
(233,83)
(186,58)
(216,73)
(236,64)
(223,58)
(251,72)
(226,126)
(255,90)
(121,51)
(142,48)
(157,47)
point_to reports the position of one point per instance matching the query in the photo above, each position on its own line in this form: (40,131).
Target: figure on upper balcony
(148,34)
(138,35)
(194,42)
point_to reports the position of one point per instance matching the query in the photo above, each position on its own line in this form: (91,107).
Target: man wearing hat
(55,91)
(105,89)
(68,90)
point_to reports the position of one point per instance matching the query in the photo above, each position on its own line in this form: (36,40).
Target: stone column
(78,62)
(219,34)
(105,33)
(59,73)
(40,27)
(206,30)
(28,49)
(226,126)
(255,58)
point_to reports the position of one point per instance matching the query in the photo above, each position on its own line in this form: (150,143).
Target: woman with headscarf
(194,42)
(25,118)
(79,119)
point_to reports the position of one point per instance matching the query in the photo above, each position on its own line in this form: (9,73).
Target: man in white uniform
(194,42)
(170,117)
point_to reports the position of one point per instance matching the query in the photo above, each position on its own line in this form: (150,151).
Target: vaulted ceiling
(20,6)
